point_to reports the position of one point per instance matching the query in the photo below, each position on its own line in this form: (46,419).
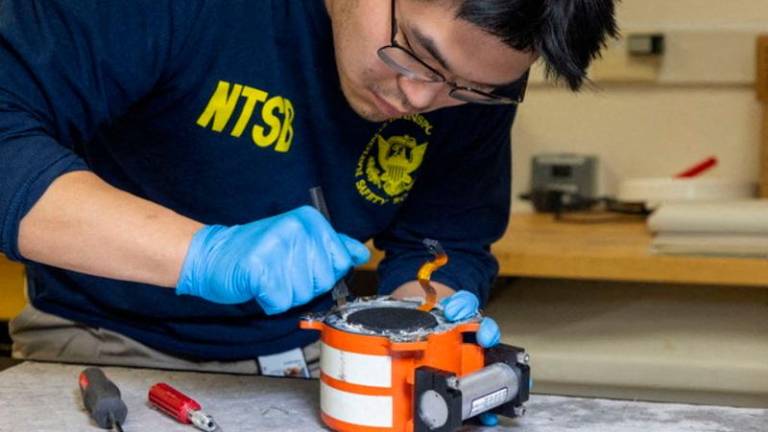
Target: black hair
(568,34)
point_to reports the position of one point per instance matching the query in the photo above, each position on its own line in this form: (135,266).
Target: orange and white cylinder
(366,380)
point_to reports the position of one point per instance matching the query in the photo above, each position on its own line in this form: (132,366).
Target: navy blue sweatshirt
(228,112)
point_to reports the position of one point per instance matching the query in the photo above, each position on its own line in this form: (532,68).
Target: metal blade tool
(340,291)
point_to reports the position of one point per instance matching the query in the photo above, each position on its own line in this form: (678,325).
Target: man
(156,157)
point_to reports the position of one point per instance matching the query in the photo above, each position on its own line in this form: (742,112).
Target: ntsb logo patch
(385,171)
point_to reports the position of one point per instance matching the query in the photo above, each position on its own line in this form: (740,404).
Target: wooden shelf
(537,246)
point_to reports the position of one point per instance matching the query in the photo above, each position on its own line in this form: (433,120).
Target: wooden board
(764,154)
(761,83)
(761,88)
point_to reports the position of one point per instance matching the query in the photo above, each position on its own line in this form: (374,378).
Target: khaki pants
(44,337)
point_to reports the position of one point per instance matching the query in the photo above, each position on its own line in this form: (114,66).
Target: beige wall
(650,341)
(693,12)
(658,127)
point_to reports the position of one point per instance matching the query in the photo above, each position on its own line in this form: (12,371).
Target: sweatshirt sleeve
(462,200)
(68,68)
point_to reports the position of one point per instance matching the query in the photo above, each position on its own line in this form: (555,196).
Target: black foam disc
(392,319)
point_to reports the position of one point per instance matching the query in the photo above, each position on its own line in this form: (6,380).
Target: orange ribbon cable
(426,270)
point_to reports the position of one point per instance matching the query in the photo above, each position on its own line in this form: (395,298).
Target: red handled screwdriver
(181,407)
(102,399)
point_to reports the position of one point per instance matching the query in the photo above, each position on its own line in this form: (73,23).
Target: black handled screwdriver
(102,399)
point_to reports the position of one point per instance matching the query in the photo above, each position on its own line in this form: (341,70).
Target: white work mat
(43,397)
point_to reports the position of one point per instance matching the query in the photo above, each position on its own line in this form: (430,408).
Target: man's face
(460,51)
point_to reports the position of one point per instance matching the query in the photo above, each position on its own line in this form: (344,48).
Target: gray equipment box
(569,173)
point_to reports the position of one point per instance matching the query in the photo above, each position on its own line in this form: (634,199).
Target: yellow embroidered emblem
(399,156)
(385,171)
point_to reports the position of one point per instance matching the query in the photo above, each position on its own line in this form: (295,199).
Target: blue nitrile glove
(488,419)
(460,306)
(281,261)
(463,305)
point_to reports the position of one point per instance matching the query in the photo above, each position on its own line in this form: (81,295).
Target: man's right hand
(281,262)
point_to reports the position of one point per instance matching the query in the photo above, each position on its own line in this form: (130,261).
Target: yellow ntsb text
(274,125)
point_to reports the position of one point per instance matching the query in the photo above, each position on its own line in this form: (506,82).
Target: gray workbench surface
(44,397)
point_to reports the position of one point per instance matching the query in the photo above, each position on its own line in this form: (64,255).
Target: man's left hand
(463,305)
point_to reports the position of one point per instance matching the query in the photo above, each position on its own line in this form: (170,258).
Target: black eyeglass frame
(489,98)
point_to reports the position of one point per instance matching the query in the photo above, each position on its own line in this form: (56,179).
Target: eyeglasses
(403,61)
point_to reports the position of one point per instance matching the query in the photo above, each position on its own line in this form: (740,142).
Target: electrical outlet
(617,64)
(690,56)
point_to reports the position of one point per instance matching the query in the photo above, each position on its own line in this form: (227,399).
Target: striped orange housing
(366,381)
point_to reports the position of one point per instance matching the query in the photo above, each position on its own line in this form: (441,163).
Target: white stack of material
(729,228)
